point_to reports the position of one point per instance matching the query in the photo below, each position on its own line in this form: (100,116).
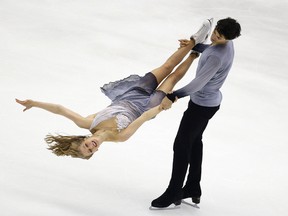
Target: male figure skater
(205,98)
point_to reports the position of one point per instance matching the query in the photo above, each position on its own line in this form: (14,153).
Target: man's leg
(189,129)
(192,186)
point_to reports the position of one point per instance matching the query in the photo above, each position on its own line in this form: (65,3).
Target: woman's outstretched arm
(79,120)
(133,127)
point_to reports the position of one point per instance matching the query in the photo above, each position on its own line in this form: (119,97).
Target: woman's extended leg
(199,37)
(169,83)
(164,70)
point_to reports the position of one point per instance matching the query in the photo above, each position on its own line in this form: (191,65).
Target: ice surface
(63,51)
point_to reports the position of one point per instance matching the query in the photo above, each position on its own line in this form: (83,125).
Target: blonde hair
(66,145)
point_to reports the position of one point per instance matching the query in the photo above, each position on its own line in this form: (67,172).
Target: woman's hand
(26,103)
(59,110)
(184,42)
(166,103)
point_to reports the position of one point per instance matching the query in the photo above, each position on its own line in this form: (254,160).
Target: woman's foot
(203,33)
(196,54)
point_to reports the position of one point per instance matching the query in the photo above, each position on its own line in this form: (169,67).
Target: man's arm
(203,76)
(59,110)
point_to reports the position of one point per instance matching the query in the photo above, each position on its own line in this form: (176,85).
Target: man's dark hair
(229,28)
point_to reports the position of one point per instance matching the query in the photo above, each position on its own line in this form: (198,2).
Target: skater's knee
(174,78)
(167,66)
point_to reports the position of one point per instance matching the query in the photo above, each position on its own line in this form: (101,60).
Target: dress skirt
(137,90)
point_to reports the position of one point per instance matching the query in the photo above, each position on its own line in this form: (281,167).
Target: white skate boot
(203,33)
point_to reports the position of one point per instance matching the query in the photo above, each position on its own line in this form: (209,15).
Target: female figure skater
(135,100)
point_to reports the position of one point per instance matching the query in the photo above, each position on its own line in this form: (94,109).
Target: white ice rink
(63,51)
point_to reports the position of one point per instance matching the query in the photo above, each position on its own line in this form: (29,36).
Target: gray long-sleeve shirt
(213,67)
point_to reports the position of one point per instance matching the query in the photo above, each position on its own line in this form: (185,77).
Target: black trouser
(188,148)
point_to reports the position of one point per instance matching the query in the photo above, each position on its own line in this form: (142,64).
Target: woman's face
(89,146)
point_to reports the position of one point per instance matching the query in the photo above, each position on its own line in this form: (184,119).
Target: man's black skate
(166,199)
(186,194)
(196,200)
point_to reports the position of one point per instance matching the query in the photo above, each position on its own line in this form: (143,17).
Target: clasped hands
(184,43)
(166,103)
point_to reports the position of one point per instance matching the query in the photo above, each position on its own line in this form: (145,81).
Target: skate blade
(190,204)
(171,207)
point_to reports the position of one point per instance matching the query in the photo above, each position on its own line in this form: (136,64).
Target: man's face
(217,38)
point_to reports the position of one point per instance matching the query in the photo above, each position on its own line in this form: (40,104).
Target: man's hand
(166,104)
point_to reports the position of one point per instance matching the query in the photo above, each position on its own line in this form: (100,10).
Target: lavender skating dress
(130,98)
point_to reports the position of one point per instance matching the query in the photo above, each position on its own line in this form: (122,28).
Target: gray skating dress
(130,98)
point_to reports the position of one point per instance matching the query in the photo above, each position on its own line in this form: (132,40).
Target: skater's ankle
(193,41)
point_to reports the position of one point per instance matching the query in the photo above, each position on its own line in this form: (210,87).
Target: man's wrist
(171,97)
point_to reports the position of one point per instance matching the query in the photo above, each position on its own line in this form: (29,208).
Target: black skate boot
(166,199)
(186,194)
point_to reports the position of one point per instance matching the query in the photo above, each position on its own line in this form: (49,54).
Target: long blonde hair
(66,145)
